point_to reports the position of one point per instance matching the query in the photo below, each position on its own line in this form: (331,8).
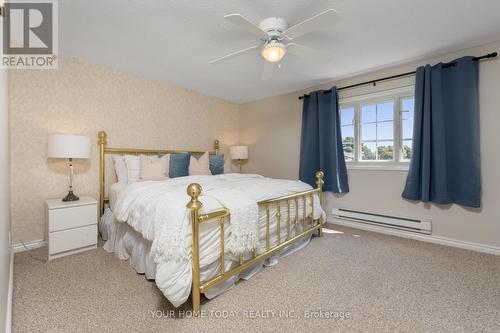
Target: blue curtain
(321,142)
(445,163)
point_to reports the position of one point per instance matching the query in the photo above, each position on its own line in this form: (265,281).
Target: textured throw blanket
(244,219)
(157,210)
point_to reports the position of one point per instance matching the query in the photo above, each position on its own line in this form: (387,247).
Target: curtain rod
(486,56)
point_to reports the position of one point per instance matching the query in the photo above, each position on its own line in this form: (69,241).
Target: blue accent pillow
(216,164)
(179,165)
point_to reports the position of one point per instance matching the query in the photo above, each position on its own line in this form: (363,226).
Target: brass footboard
(309,225)
(281,205)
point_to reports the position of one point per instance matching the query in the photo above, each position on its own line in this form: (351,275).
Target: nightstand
(71,226)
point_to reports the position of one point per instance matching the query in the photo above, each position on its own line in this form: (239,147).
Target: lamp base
(70,197)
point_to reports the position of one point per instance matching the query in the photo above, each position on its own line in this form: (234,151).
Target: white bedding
(114,192)
(105,225)
(173,276)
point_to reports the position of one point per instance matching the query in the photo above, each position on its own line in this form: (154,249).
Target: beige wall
(85,98)
(4,204)
(272,129)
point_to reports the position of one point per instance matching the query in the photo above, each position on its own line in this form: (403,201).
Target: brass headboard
(103,150)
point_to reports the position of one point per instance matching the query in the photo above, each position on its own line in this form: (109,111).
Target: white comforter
(157,210)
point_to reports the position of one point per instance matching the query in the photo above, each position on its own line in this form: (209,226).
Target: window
(377,129)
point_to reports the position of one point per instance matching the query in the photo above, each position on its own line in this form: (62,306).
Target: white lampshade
(239,152)
(68,146)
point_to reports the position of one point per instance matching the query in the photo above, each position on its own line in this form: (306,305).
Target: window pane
(347,116)
(385,111)
(369,132)
(407,113)
(407,105)
(347,131)
(368,113)
(368,150)
(406,149)
(377,131)
(385,150)
(407,129)
(348,142)
(385,130)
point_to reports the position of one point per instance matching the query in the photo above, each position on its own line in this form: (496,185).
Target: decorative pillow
(153,167)
(133,168)
(200,166)
(120,169)
(216,164)
(179,165)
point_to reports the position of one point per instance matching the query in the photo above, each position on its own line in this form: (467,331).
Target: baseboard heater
(423,226)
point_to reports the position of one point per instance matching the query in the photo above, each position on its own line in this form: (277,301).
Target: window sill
(379,166)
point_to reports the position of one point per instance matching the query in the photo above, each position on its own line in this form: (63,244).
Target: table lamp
(239,153)
(68,146)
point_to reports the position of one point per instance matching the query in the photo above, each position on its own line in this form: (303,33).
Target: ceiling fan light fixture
(274,51)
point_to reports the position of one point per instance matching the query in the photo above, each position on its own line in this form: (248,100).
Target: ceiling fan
(273,31)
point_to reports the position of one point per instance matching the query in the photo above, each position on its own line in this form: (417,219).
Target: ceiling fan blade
(316,22)
(235,54)
(268,71)
(244,23)
(306,52)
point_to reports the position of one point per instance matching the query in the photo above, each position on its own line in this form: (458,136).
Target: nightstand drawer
(71,239)
(72,217)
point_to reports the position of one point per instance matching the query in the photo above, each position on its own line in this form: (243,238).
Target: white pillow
(120,169)
(154,168)
(200,166)
(133,168)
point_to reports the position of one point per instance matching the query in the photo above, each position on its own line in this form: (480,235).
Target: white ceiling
(173,41)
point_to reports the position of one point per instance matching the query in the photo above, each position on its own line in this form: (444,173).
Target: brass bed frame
(309,224)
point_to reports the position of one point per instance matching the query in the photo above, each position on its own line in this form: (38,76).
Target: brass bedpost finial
(216,147)
(194,191)
(101,138)
(319,179)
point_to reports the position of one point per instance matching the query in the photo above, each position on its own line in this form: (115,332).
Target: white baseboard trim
(19,247)
(8,317)
(421,237)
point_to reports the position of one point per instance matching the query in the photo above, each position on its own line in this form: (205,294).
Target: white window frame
(396,95)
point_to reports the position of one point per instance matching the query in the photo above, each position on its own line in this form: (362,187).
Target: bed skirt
(127,244)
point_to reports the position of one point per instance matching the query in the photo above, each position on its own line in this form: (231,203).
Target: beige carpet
(379,283)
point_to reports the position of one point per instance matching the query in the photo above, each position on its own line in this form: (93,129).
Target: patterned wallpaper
(82,98)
